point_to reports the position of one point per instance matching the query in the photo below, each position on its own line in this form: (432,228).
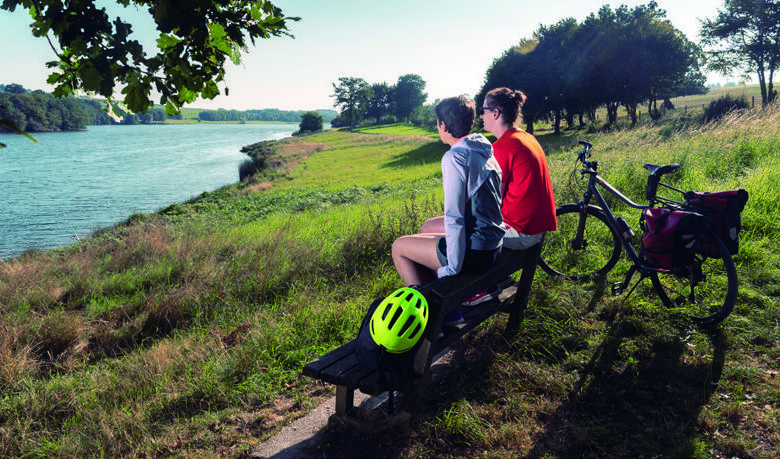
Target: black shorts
(475,261)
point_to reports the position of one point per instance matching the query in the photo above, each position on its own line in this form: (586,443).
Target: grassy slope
(184,333)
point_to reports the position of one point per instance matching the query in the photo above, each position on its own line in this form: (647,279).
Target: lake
(73,183)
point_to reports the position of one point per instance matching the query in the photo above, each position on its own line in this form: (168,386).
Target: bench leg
(520,302)
(345,400)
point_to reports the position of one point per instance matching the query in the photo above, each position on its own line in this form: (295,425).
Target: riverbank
(183,332)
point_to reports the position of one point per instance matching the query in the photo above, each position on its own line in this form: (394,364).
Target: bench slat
(341,371)
(313,369)
(457,289)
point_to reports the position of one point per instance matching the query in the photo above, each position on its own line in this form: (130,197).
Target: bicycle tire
(709,300)
(595,256)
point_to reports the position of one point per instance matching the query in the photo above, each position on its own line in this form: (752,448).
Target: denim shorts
(475,262)
(518,241)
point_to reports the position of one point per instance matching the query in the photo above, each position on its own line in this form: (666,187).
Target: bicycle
(590,239)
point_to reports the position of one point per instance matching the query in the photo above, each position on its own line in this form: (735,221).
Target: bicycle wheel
(707,290)
(593,255)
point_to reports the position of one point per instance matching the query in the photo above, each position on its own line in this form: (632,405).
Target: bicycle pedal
(617,288)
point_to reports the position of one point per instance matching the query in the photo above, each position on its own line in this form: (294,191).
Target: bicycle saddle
(661,170)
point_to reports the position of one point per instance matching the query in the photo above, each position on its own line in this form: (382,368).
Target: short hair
(458,114)
(509,102)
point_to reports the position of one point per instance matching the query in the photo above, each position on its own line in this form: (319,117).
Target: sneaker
(506,283)
(483,297)
(453,318)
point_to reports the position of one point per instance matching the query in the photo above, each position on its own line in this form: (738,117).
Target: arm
(455,195)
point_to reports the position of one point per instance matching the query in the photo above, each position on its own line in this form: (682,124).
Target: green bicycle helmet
(399,320)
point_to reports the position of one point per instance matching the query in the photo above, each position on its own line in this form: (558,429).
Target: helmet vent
(417,330)
(396,316)
(409,322)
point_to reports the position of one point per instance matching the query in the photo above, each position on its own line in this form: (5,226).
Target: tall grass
(184,332)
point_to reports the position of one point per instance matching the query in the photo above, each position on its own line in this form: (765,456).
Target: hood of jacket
(476,153)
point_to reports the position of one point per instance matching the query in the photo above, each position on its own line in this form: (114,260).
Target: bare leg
(433,225)
(415,258)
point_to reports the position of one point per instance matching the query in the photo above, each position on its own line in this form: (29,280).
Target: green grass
(183,333)
(399,129)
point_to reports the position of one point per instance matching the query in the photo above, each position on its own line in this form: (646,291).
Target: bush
(247,169)
(721,106)
(310,122)
(261,157)
(339,121)
(423,116)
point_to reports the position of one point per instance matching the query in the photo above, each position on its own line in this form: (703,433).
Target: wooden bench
(341,367)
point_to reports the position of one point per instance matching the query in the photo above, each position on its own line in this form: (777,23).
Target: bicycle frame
(592,192)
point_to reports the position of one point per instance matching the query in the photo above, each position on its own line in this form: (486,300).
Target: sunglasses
(482,110)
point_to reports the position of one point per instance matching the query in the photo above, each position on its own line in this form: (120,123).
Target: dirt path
(304,437)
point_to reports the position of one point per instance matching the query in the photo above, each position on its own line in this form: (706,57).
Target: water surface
(74,183)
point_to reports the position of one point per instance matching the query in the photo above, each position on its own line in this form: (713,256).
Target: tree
(380,102)
(745,36)
(408,95)
(95,53)
(521,68)
(352,96)
(614,57)
(310,122)
(424,115)
(15,88)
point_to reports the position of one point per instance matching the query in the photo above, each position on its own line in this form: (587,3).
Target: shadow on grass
(648,404)
(425,154)
(647,408)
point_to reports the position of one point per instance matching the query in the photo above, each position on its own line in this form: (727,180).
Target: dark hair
(458,114)
(509,102)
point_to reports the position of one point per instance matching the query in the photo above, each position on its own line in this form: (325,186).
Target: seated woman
(471,231)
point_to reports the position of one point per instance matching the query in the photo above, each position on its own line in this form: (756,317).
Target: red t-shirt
(529,204)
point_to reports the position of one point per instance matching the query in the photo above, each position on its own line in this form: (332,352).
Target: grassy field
(183,333)
(751,92)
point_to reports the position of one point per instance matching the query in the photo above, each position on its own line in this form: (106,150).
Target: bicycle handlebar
(583,156)
(653,180)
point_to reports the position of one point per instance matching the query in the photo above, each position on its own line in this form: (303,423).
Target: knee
(397,248)
(432,225)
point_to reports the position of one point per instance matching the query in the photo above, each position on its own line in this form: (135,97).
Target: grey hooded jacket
(472,200)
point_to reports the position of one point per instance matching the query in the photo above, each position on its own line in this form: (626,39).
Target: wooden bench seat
(341,368)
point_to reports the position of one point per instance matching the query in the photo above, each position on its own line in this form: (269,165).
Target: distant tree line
(36,111)
(268,114)
(377,103)
(152,115)
(623,57)
(39,111)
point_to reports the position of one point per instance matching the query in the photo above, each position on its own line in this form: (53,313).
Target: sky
(449,43)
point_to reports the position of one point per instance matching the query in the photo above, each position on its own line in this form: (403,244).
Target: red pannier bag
(670,236)
(723,210)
